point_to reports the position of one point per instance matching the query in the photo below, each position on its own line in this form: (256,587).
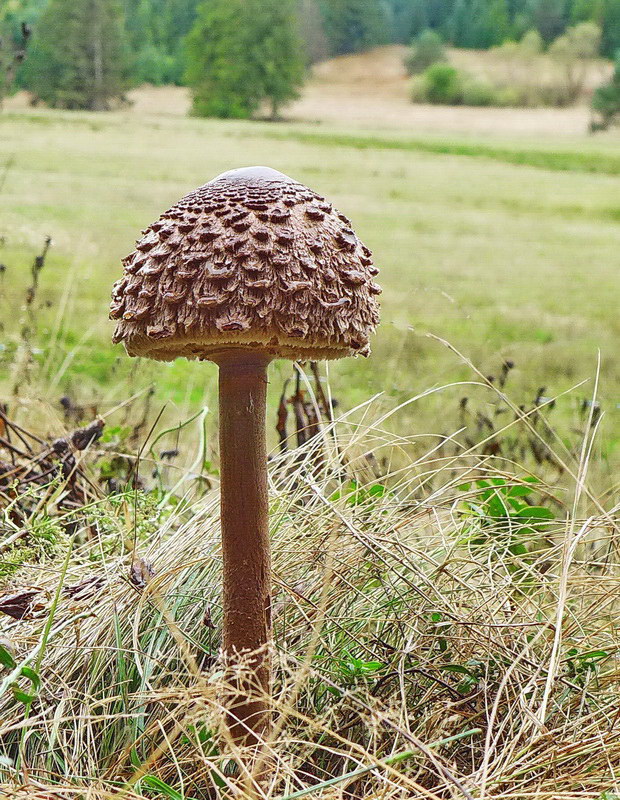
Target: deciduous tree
(606,101)
(79,55)
(241,53)
(354,25)
(571,51)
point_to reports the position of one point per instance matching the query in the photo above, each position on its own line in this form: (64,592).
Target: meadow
(445,570)
(507,249)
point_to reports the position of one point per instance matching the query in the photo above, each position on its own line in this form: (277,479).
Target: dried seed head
(251,259)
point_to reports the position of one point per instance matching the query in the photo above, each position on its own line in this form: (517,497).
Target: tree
(586,10)
(156,30)
(12,54)
(548,17)
(489,24)
(571,51)
(312,30)
(442,84)
(610,24)
(498,22)
(241,53)
(606,101)
(354,25)
(531,44)
(79,57)
(426,49)
(438,12)
(479,23)
(460,23)
(409,19)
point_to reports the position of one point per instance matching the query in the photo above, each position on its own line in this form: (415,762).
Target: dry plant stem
(245,539)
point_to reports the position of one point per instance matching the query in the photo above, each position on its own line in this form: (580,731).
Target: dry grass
(401,621)
(372,88)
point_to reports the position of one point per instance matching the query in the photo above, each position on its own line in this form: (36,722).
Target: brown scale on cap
(250,259)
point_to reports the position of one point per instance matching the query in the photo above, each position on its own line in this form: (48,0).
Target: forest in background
(152,33)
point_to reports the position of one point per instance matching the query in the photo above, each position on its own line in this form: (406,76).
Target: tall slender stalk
(245,540)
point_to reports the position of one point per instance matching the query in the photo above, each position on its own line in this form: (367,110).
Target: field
(446,624)
(506,247)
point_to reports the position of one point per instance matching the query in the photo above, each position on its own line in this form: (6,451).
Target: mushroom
(269,292)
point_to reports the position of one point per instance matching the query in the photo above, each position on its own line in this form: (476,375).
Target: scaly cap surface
(250,259)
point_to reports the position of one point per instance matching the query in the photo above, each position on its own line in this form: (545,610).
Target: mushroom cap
(252,259)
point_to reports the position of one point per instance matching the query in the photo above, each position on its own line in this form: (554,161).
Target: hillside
(371,89)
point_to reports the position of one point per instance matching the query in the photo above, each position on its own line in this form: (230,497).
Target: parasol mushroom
(250,267)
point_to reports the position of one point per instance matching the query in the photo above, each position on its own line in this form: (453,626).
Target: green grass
(506,249)
(435,592)
(606,163)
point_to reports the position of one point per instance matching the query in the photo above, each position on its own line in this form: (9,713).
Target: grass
(425,644)
(509,250)
(445,553)
(606,163)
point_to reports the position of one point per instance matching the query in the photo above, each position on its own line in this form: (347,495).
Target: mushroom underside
(204,344)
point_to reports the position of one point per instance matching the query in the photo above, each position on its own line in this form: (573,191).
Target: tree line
(236,54)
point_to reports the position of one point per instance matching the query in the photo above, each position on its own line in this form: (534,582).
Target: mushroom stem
(245,541)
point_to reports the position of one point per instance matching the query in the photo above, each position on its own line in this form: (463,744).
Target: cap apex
(253,174)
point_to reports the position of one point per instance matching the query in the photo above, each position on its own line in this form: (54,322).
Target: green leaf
(372,666)
(593,655)
(466,685)
(497,507)
(156,783)
(516,505)
(21,696)
(6,659)
(32,676)
(519,491)
(458,668)
(536,512)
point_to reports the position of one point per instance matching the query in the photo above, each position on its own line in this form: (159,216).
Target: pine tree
(439,12)
(156,30)
(241,53)
(418,19)
(408,19)
(460,24)
(606,101)
(548,17)
(586,10)
(354,25)
(610,23)
(487,24)
(78,57)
